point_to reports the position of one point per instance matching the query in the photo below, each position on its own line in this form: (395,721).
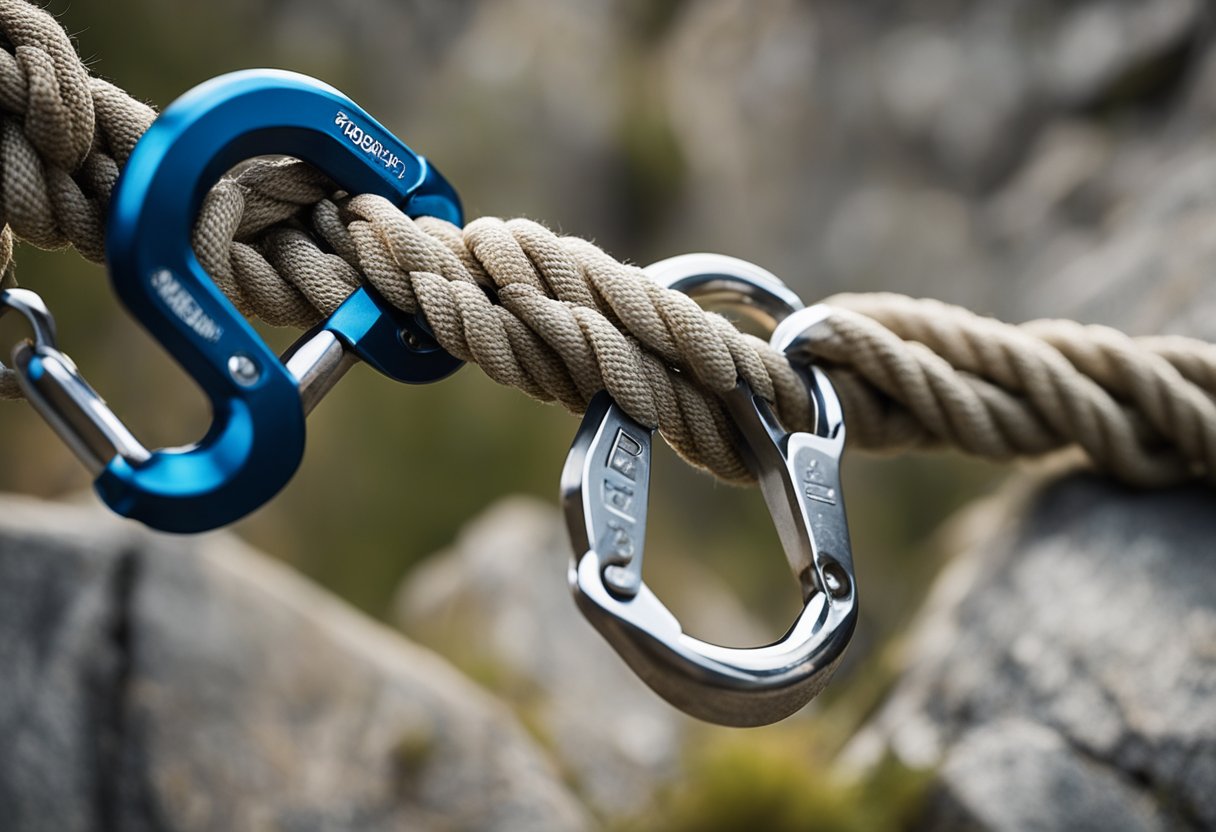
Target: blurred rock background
(1024,159)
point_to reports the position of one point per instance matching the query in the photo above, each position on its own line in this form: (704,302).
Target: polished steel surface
(605,485)
(55,388)
(317,363)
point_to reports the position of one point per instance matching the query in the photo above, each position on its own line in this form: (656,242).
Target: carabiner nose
(256,438)
(605,486)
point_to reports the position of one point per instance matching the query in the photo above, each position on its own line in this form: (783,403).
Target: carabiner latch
(256,439)
(605,486)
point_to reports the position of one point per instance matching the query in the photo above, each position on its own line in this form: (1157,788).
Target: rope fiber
(557,318)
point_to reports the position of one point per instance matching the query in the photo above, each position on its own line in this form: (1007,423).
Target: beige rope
(559,319)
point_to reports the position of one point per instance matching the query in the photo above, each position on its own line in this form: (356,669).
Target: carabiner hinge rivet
(835,580)
(622,581)
(244,370)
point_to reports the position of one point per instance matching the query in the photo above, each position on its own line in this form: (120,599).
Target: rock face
(1025,159)
(1064,674)
(926,147)
(155,683)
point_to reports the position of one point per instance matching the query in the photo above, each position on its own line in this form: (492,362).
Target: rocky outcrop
(1064,672)
(923,147)
(153,682)
(1025,159)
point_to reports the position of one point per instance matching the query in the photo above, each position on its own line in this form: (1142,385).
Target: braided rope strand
(560,319)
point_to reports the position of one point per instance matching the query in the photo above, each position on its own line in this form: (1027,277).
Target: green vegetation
(770,780)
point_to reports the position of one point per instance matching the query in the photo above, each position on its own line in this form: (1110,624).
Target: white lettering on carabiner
(364,141)
(184,306)
(816,486)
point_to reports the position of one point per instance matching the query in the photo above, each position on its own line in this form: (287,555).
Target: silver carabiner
(605,486)
(57,390)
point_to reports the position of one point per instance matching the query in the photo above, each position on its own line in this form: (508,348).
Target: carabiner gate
(256,439)
(605,486)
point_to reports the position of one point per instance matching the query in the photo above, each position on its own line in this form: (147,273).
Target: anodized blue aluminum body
(256,438)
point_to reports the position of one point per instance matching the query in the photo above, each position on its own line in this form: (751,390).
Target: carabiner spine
(605,493)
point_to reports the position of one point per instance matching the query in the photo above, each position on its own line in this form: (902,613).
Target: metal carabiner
(605,486)
(256,439)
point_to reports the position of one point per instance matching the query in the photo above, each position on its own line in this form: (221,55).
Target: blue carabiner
(256,439)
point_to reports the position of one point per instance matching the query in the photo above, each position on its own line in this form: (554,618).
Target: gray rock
(153,682)
(1066,668)
(1017,775)
(843,145)
(499,604)
(1146,269)
(849,147)
(1097,45)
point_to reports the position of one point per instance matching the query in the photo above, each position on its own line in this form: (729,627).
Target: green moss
(773,782)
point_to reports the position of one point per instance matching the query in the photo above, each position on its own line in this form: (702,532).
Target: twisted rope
(559,319)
